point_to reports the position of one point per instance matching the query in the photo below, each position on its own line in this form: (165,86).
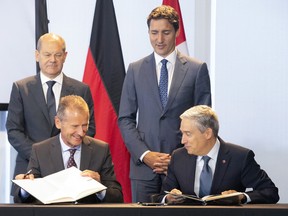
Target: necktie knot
(164,62)
(50,83)
(163,83)
(72,152)
(206,159)
(71,161)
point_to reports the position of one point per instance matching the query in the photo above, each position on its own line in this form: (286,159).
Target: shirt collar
(65,147)
(44,79)
(213,153)
(171,57)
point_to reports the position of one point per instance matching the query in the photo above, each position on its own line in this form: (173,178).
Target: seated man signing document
(207,165)
(92,156)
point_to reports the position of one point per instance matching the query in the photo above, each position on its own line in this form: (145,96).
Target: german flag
(104,73)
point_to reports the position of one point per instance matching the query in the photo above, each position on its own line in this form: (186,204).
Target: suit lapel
(191,172)
(149,69)
(39,97)
(222,164)
(67,87)
(86,154)
(180,71)
(56,152)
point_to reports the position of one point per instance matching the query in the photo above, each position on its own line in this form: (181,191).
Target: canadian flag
(181,39)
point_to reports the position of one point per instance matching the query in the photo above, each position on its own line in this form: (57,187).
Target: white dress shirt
(56,87)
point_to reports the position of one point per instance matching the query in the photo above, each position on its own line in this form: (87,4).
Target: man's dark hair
(164,12)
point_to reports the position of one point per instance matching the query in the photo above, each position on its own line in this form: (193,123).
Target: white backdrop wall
(244,43)
(251,76)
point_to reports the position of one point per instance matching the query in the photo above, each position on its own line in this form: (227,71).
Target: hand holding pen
(27,175)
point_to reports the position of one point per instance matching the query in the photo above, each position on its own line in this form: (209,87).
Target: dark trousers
(142,190)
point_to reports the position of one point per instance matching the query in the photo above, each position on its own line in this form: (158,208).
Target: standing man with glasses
(34,100)
(156,90)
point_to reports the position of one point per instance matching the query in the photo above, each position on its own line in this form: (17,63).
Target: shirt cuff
(246,199)
(101,194)
(24,194)
(143,155)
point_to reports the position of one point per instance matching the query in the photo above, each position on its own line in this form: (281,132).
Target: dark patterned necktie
(163,83)
(205,178)
(71,161)
(51,101)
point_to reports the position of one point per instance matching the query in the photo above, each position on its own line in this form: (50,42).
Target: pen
(26,174)
(151,204)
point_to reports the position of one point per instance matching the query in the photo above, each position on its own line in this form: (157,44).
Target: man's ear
(57,122)
(208,133)
(37,55)
(177,32)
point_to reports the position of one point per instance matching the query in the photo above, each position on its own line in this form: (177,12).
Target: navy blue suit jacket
(236,169)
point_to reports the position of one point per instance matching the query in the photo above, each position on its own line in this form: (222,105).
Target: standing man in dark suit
(28,118)
(92,156)
(232,167)
(149,125)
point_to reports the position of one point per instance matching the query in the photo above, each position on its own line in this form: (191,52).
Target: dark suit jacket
(158,129)
(46,158)
(28,118)
(236,169)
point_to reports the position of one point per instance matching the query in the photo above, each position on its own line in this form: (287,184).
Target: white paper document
(65,186)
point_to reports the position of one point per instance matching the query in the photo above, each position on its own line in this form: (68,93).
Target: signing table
(138,210)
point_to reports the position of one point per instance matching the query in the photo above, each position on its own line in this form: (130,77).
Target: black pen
(26,174)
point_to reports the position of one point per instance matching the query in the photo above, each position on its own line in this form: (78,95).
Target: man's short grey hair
(73,102)
(204,118)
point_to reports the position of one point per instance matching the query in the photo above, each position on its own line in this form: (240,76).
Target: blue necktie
(51,101)
(163,83)
(205,178)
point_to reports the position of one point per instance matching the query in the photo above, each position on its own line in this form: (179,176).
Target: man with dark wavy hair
(156,90)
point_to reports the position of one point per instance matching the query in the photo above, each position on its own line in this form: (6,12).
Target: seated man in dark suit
(92,156)
(230,168)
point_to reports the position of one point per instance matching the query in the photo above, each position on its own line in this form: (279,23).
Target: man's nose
(52,58)
(160,37)
(183,140)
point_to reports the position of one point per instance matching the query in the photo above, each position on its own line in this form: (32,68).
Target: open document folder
(65,186)
(219,199)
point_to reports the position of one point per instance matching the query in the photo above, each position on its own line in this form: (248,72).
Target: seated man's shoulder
(94,141)
(236,148)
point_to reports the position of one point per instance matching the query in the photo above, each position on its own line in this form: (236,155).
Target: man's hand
(92,174)
(24,176)
(172,197)
(241,197)
(157,161)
